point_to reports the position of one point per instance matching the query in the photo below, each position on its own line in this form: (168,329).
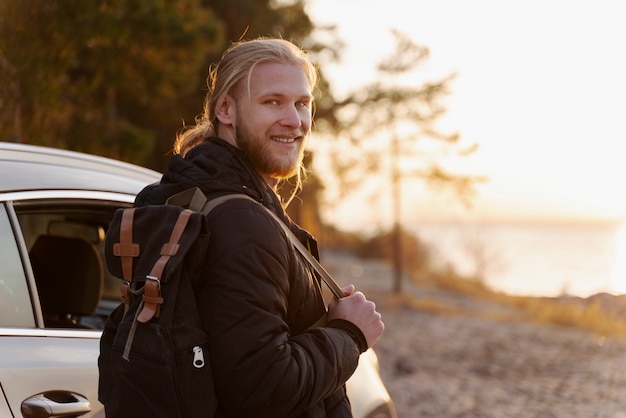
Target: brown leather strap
(126,296)
(126,249)
(152,299)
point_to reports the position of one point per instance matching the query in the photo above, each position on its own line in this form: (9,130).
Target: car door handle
(55,403)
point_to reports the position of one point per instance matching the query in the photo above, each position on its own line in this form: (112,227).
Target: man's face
(273,119)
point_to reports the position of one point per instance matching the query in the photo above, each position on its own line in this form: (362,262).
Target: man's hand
(354,307)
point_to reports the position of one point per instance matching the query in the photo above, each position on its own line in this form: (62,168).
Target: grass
(590,317)
(561,311)
(399,301)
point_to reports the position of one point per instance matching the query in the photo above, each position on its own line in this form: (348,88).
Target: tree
(389,127)
(119,78)
(88,74)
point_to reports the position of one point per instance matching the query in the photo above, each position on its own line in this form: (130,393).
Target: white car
(55,293)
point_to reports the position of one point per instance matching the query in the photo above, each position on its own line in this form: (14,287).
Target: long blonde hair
(235,66)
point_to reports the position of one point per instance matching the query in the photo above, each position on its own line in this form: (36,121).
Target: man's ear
(225,110)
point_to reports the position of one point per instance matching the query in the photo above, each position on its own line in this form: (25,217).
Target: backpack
(153,351)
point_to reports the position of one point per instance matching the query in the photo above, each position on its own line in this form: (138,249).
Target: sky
(540,86)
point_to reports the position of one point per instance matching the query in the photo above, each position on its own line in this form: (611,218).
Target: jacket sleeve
(261,366)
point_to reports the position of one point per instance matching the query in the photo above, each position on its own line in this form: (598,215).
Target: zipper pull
(198,357)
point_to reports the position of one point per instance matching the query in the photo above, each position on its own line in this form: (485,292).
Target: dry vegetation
(602,314)
(454,348)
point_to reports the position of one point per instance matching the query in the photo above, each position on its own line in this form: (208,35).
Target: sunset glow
(539,87)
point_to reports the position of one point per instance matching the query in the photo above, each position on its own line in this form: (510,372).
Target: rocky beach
(445,354)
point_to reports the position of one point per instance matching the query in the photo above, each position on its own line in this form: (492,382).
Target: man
(260,304)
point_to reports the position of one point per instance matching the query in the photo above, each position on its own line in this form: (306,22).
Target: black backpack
(153,351)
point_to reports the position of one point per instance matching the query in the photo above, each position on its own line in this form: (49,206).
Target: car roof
(31,167)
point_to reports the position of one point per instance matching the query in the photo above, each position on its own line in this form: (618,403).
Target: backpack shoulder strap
(192,198)
(330,282)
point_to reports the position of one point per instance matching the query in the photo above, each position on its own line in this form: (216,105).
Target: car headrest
(69,275)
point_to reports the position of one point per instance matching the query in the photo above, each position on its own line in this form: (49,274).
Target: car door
(49,350)
(4,407)
(55,295)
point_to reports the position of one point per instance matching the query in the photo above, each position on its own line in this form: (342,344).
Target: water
(534,259)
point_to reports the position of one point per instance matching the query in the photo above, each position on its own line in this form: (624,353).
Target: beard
(262,155)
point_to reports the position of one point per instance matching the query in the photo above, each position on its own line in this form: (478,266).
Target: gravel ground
(469,363)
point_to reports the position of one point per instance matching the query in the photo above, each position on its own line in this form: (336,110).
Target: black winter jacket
(259,299)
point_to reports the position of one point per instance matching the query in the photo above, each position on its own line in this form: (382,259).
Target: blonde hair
(235,66)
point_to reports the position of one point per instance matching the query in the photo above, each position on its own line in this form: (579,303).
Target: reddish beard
(264,159)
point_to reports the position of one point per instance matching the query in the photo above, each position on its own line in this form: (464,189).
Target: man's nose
(291,117)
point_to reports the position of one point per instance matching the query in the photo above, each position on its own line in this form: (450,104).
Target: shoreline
(480,359)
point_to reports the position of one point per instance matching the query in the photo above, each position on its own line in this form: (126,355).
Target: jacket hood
(217,168)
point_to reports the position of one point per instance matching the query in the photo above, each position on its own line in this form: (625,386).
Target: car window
(15,306)
(65,243)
